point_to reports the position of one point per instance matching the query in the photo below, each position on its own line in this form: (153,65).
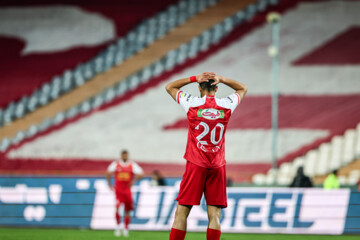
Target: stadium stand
(341,153)
(133,41)
(306,121)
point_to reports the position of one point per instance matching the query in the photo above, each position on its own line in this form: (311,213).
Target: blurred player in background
(125,173)
(208,117)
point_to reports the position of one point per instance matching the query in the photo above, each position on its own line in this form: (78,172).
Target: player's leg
(128,207)
(191,190)
(213,231)
(181,214)
(215,195)
(178,230)
(126,223)
(117,231)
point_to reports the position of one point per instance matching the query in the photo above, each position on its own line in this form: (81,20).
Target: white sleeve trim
(137,170)
(239,98)
(112,167)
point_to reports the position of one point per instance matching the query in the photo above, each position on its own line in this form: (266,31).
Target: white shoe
(117,233)
(126,233)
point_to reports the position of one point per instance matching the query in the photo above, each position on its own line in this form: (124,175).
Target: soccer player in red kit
(208,117)
(125,173)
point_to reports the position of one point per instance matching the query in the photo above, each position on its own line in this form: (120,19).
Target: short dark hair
(206,86)
(124,151)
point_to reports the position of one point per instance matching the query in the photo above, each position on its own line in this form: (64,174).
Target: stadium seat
(228,24)
(261,5)
(66,81)
(73,111)
(9,113)
(55,88)
(239,17)
(169,64)
(216,33)
(322,165)
(182,54)
(205,40)
(336,152)
(86,105)
(343,180)
(120,51)
(98,65)
(87,69)
(298,162)
(4,144)
(78,76)
(194,47)
(21,107)
(283,180)
(172,17)
(259,179)
(285,169)
(44,96)
(45,125)
(349,146)
(59,118)
(31,131)
(110,56)
(352,180)
(310,163)
(1,117)
(110,94)
(145,74)
(250,11)
(270,179)
(357,141)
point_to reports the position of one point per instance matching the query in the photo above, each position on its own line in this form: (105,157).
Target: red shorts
(198,180)
(124,198)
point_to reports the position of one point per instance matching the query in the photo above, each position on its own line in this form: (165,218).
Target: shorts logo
(182,95)
(210,113)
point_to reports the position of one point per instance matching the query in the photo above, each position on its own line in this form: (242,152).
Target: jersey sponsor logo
(123,176)
(210,113)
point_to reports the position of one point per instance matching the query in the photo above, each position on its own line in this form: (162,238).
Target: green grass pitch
(74,234)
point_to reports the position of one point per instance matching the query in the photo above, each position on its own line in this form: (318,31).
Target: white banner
(260,210)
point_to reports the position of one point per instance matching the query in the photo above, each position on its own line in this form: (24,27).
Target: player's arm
(138,177)
(109,173)
(138,173)
(108,178)
(173,87)
(239,87)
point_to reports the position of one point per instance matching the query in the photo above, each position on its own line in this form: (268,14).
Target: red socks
(126,221)
(177,234)
(213,234)
(117,216)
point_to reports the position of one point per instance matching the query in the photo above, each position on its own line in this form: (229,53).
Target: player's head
(206,88)
(124,155)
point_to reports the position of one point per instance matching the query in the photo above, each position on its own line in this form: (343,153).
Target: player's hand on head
(216,80)
(202,78)
(205,77)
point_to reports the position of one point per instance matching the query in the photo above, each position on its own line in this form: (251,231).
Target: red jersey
(208,118)
(124,173)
